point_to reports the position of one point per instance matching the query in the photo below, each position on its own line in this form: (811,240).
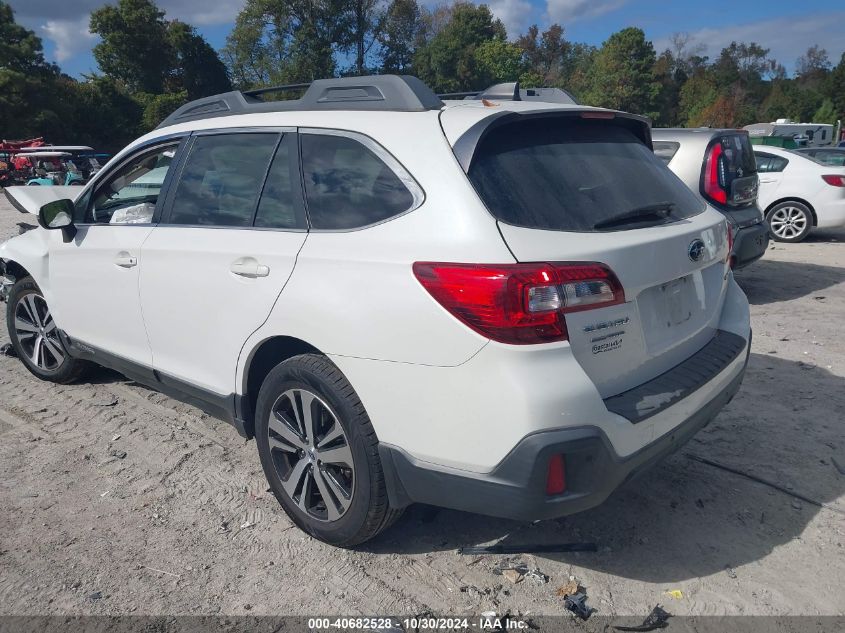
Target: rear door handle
(248,267)
(125,260)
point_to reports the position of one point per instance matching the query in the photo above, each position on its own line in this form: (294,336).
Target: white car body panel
(802,179)
(95,290)
(198,321)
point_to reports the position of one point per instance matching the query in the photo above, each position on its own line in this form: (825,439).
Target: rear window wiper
(656,211)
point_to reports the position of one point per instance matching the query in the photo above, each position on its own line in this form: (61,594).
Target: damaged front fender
(25,254)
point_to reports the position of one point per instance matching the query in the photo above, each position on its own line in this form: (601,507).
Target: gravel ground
(117,499)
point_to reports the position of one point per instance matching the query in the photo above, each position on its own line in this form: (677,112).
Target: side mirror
(58,214)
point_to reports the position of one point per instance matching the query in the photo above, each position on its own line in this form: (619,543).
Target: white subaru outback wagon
(501,305)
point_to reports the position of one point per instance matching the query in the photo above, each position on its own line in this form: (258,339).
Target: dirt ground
(116,499)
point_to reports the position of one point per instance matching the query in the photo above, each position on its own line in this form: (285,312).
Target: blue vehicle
(50,168)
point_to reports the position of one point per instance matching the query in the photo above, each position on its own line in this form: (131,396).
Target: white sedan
(798,193)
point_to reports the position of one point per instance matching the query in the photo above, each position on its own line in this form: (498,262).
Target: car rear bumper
(516,487)
(750,243)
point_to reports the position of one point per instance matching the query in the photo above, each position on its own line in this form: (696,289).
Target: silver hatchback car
(719,166)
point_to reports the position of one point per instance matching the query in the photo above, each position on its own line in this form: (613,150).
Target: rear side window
(665,150)
(767,163)
(347,185)
(222,179)
(834,158)
(569,174)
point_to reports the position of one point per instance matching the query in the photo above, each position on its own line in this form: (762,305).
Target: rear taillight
(834,179)
(519,303)
(715,176)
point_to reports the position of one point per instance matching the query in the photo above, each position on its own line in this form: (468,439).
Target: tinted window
(347,185)
(130,195)
(830,157)
(279,208)
(767,163)
(665,150)
(572,175)
(222,178)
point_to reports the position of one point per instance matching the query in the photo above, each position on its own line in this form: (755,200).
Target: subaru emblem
(696,250)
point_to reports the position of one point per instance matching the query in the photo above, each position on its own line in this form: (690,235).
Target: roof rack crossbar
(260,91)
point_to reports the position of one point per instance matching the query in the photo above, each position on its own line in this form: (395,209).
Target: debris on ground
(569,589)
(115,437)
(730,571)
(514,575)
(528,549)
(6,349)
(677,594)
(577,603)
(537,576)
(657,619)
(118,454)
(109,400)
(97,595)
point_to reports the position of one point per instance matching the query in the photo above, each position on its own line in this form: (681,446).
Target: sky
(786,27)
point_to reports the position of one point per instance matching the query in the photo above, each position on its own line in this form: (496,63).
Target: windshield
(569,174)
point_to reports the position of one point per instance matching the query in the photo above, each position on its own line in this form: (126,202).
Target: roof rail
(511,91)
(400,93)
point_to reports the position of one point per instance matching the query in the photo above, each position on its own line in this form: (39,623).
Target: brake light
(834,179)
(598,114)
(519,304)
(714,175)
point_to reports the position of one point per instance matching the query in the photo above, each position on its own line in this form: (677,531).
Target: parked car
(834,156)
(718,165)
(48,168)
(798,193)
(506,310)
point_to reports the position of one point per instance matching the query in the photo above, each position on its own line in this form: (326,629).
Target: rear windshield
(580,175)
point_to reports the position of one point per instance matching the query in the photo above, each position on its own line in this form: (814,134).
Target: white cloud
(787,38)
(71,37)
(567,11)
(514,14)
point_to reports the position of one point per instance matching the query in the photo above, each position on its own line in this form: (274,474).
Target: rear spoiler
(464,148)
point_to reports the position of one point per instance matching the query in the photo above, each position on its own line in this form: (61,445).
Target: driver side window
(129,196)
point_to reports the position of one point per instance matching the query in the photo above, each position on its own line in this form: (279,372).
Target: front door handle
(125,260)
(248,267)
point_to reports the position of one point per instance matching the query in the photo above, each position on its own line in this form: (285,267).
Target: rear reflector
(834,179)
(519,304)
(556,477)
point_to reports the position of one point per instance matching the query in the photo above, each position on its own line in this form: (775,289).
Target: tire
(789,221)
(35,337)
(298,466)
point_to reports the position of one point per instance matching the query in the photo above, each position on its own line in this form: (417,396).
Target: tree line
(149,65)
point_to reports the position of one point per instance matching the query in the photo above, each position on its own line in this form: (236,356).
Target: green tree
(547,55)
(285,41)
(135,47)
(448,62)
(27,97)
(826,113)
(401,32)
(623,74)
(198,70)
(498,61)
(835,88)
